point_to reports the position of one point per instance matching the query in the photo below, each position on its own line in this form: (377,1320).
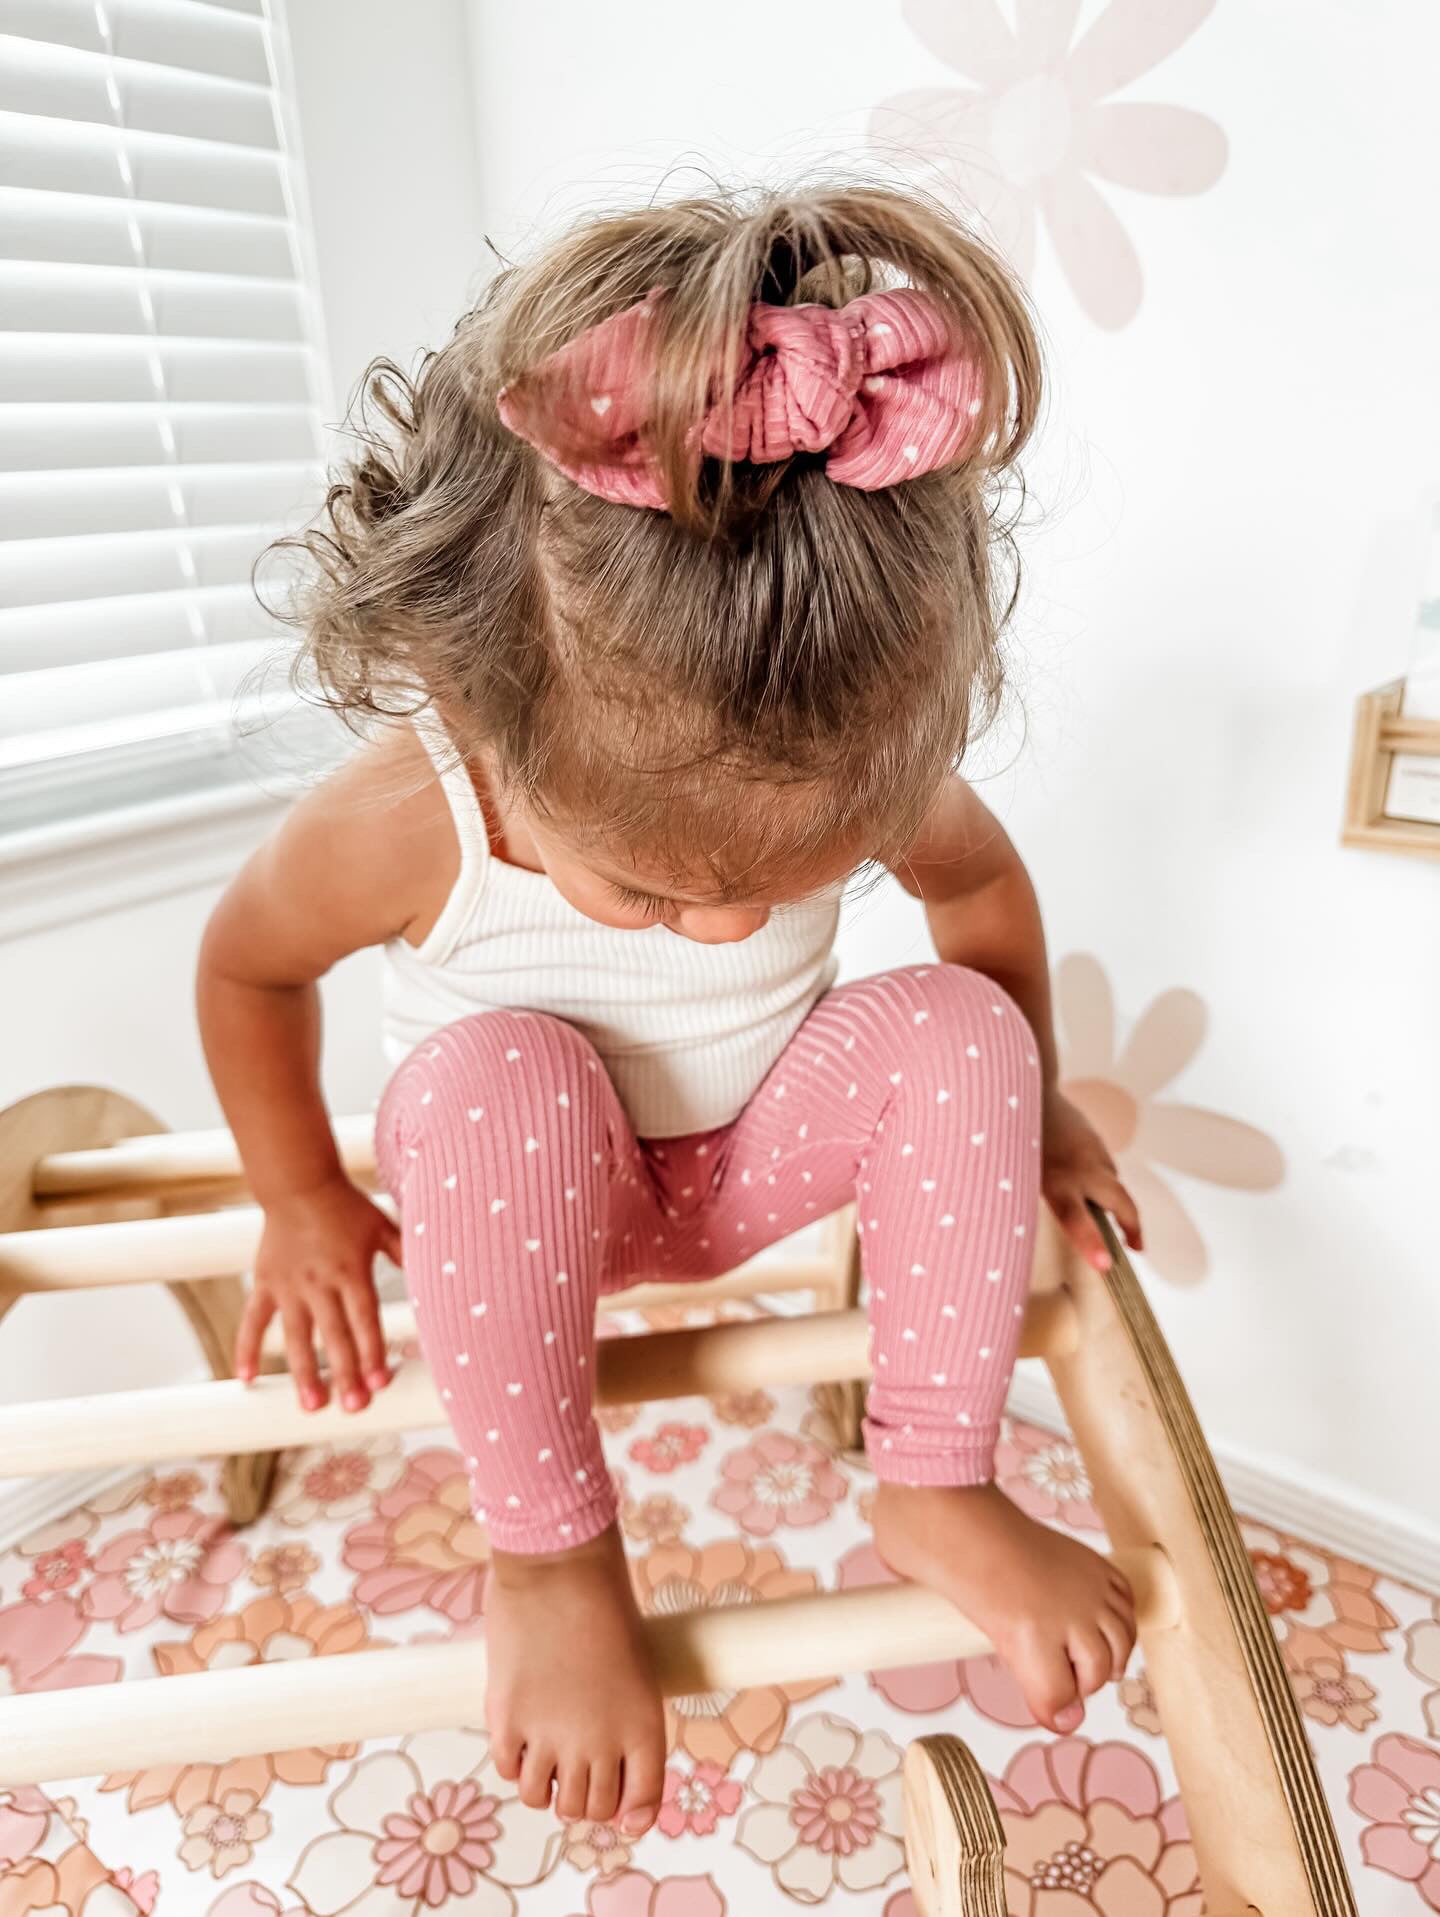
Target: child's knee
(514,1062)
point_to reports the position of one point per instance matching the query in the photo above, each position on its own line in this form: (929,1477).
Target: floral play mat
(774,1798)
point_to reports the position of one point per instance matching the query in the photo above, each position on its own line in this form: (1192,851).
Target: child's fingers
(334,1330)
(300,1352)
(1080,1228)
(362,1308)
(1105,1188)
(391,1241)
(259,1310)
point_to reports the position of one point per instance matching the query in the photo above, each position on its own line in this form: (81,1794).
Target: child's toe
(644,1782)
(1049,1682)
(537,1772)
(1091,1657)
(604,1798)
(572,1789)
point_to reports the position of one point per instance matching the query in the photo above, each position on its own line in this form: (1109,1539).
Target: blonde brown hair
(636,675)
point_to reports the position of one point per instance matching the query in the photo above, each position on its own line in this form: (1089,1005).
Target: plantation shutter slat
(159,395)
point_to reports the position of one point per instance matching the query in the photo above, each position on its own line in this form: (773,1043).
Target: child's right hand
(315,1266)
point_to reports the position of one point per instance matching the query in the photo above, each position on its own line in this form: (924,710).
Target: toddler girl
(671,584)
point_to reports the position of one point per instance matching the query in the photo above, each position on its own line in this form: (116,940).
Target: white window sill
(55,875)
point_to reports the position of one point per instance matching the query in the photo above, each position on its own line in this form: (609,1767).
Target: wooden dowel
(210,1244)
(151,1166)
(224,1418)
(358,1695)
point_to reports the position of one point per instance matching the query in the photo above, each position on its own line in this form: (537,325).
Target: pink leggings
(525,1195)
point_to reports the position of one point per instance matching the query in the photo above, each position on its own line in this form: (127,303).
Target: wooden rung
(358,1695)
(218,1243)
(225,1418)
(154,1164)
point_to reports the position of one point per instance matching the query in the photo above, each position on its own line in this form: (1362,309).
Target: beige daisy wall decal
(1026,139)
(1117,1085)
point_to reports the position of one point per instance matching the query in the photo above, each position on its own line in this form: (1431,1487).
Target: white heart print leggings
(525,1196)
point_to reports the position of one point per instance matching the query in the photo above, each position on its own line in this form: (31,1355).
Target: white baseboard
(29,1503)
(1314,1509)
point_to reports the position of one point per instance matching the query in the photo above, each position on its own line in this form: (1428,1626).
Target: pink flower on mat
(671,1446)
(778,1480)
(35,1642)
(696,1800)
(1399,1793)
(57,1570)
(636,1895)
(423,1546)
(936,1687)
(1086,1828)
(180,1565)
(829,1811)
(24,1820)
(1046,1476)
(142,1890)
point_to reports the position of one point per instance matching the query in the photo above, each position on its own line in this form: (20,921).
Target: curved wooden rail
(954,1840)
(1263,1834)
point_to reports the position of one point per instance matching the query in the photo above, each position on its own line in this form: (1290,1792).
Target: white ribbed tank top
(687,1031)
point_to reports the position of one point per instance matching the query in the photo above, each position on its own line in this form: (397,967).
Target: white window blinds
(159,379)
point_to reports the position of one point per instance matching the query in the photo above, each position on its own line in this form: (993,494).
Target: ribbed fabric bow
(878,384)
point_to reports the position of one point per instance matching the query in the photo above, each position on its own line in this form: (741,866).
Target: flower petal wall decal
(1115,1084)
(1018,145)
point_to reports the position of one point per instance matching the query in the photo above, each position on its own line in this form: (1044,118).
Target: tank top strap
(470,832)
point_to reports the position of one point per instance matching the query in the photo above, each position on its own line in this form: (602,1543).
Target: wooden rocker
(92,1193)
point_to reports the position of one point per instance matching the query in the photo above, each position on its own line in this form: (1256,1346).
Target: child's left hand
(1077,1167)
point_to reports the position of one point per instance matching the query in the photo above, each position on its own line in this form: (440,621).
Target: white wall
(1228,555)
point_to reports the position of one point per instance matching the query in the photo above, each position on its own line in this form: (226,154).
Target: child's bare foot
(1060,1616)
(571,1697)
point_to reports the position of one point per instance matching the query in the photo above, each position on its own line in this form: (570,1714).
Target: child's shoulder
(378,829)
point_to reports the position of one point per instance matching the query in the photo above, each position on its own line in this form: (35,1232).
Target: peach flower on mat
(74,1883)
(936,1687)
(330,1481)
(180,1566)
(695,1801)
(750,1408)
(220,1837)
(715,1727)
(1028,136)
(423,1545)
(653,1520)
(284,1567)
(35,1645)
(1398,1791)
(1116,1087)
(1045,1475)
(1329,1694)
(636,1895)
(1422,1656)
(1319,1605)
(1086,1828)
(595,1846)
(428,1827)
(173,1490)
(778,1480)
(829,1814)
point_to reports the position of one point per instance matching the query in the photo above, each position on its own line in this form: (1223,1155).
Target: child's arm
(983,912)
(359,860)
